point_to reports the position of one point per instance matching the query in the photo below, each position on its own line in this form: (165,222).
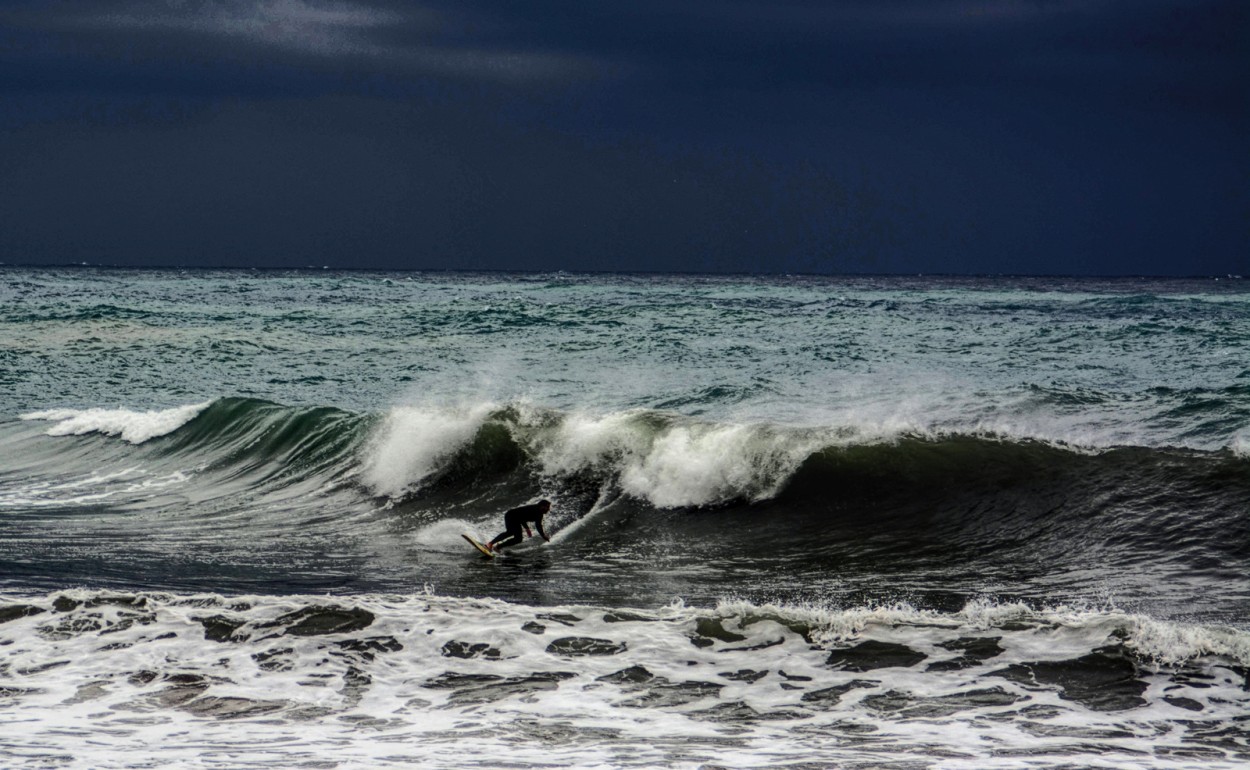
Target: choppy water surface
(843,522)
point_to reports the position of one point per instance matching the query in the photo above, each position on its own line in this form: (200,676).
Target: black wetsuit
(516,520)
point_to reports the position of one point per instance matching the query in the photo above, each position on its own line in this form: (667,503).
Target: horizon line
(675,273)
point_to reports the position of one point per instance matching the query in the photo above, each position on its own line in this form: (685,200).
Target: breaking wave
(663,459)
(829,494)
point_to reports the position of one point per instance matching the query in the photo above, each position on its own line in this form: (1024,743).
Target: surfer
(520,518)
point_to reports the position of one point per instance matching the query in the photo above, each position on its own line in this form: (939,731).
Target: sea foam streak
(128,483)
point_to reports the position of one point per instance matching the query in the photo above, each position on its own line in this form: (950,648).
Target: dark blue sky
(951,136)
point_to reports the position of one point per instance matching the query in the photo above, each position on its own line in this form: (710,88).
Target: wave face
(830,522)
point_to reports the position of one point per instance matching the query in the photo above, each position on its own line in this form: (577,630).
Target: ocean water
(798,522)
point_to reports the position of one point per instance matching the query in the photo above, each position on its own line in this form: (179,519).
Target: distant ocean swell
(991,491)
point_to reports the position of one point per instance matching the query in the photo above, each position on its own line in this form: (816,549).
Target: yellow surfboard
(479,546)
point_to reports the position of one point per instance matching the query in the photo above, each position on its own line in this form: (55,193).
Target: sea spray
(412,443)
(691,465)
(670,461)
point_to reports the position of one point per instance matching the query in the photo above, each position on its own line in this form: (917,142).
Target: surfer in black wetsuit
(521,518)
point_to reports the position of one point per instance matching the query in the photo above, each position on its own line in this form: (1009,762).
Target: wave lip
(133,426)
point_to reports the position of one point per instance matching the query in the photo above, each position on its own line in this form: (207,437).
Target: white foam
(1240,445)
(417,705)
(698,464)
(445,535)
(676,462)
(133,426)
(412,443)
(580,441)
(573,526)
(1171,643)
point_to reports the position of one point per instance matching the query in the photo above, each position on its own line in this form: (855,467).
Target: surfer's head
(545,505)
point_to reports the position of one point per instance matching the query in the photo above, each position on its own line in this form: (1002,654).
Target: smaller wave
(101,312)
(133,426)
(1240,444)
(1172,644)
(270,442)
(1163,642)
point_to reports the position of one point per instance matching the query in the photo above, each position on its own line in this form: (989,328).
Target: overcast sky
(935,136)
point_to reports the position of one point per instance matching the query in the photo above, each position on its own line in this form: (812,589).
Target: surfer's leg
(511,536)
(509,540)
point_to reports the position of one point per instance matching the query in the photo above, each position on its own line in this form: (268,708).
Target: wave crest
(412,444)
(1162,642)
(669,461)
(133,426)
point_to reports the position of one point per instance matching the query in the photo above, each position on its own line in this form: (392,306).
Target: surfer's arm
(539,525)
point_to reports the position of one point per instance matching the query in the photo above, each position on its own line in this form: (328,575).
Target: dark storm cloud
(944,135)
(324,39)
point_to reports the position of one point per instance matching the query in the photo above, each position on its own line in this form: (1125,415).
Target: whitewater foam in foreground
(108,680)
